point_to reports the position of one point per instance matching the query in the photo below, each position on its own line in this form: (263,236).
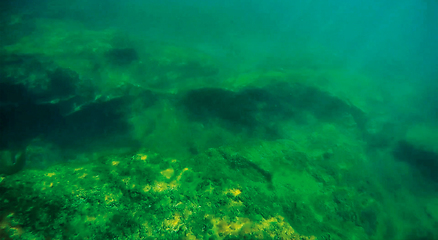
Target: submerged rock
(12,162)
(140,195)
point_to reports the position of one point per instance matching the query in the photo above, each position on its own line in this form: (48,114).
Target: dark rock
(122,56)
(425,161)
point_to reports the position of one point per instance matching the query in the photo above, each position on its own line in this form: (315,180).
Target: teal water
(228,119)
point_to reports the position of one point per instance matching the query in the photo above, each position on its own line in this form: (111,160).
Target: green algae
(228,182)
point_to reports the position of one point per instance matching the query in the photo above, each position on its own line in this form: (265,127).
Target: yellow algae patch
(142,157)
(47,185)
(160,186)
(17,231)
(180,175)
(126,180)
(50,174)
(1,179)
(115,163)
(83,175)
(236,204)
(235,192)
(168,173)
(224,227)
(96,219)
(146,188)
(78,169)
(173,185)
(110,198)
(282,229)
(274,227)
(190,236)
(148,229)
(13,231)
(173,224)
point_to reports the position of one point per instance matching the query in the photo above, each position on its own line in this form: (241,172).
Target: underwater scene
(219,120)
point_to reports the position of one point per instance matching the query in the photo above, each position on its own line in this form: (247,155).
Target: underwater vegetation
(104,136)
(141,196)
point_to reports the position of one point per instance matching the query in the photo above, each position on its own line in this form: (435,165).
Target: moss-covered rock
(137,196)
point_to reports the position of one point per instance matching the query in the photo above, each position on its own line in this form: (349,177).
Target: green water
(218,120)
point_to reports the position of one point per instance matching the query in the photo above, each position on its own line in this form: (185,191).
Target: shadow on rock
(265,108)
(426,162)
